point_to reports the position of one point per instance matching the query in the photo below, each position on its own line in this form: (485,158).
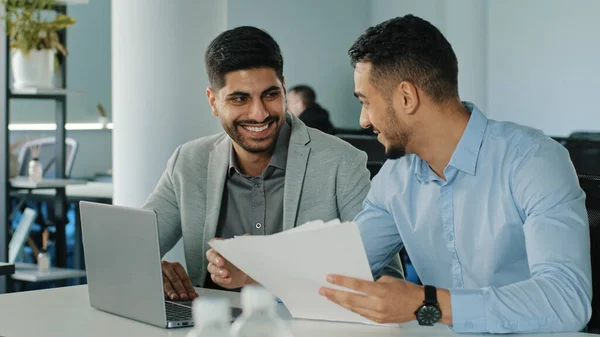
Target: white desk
(24,182)
(91,190)
(29,272)
(65,312)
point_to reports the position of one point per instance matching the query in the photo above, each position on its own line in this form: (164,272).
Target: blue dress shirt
(507,232)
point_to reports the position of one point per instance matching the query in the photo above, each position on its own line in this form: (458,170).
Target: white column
(158,88)
(465,26)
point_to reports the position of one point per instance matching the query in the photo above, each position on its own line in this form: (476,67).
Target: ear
(211,95)
(409,96)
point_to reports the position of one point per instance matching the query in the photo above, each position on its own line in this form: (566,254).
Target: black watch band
(430,295)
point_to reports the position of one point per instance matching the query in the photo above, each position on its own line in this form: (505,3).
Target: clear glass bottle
(211,317)
(35,170)
(259,317)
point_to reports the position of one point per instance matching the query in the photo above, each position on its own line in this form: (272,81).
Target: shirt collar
(466,153)
(280,152)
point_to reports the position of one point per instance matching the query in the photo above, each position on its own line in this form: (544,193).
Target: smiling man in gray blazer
(266,173)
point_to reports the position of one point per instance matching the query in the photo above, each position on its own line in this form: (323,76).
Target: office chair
(561,140)
(585,155)
(374,167)
(591,187)
(368,143)
(48,149)
(585,135)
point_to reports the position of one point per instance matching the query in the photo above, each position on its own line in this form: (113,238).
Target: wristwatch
(429,313)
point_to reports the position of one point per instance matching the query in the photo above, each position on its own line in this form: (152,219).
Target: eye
(272,94)
(239,99)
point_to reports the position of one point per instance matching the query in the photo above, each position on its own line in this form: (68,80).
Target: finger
(359,285)
(176,283)
(349,300)
(220,280)
(215,258)
(214,270)
(187,283)
(169,292)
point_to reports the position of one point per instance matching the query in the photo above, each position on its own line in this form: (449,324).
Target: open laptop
(122,257)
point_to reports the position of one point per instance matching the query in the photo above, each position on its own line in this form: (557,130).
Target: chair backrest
(47,159)
(584,153)
(585,135)
(368,143)
(374,167)
(591,187)
(17,242)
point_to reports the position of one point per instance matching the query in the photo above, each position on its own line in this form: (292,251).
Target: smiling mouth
(257,128)
(260,131)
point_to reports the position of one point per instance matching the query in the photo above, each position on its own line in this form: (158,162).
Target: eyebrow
(245,94)
(271,88)
(238,94)
(358,94)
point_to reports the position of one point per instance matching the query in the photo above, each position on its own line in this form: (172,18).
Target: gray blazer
(325,178)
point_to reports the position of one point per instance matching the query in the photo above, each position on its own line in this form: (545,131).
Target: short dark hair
(306,93)
(409,48)
(239,49)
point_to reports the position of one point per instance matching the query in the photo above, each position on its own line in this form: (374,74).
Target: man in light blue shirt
(491,213)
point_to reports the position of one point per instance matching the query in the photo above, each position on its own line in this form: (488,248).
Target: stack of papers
(294,264)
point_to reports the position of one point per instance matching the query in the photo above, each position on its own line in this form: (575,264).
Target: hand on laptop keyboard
(177,283)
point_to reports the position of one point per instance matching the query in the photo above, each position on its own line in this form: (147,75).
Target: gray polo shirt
(254,205)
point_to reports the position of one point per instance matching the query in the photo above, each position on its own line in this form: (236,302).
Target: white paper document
(294,264)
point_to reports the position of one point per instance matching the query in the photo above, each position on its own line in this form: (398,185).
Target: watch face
(428,315)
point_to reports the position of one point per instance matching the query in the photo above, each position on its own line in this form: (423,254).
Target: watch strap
(430,295)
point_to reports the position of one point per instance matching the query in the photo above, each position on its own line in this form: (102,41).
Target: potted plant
(34,41)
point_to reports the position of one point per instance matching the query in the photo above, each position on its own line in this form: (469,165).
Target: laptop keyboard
(177,313)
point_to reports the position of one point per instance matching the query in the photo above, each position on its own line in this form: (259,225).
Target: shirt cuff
(468,310)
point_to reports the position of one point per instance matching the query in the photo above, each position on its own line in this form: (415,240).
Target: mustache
(253,122)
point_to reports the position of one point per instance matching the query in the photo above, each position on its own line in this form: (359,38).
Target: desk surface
(24,182)
(6,268)
(30,273)
(65,312)
(93,190)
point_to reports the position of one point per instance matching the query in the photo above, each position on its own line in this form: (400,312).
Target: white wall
(532,62)
(544,64)
(314,36)
(463,23)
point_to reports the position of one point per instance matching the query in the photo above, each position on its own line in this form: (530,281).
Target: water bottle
(211,317)
(259,317)
(35,170)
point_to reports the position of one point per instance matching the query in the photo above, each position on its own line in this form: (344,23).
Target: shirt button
(258,225)
(450,237)
(257,185)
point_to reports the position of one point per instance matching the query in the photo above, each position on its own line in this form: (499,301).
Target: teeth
(255,129)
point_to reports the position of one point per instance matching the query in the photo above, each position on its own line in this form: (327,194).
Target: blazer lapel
(295,171)
(218,163)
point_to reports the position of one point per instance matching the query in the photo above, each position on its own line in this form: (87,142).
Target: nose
(258,111)
(365,122)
